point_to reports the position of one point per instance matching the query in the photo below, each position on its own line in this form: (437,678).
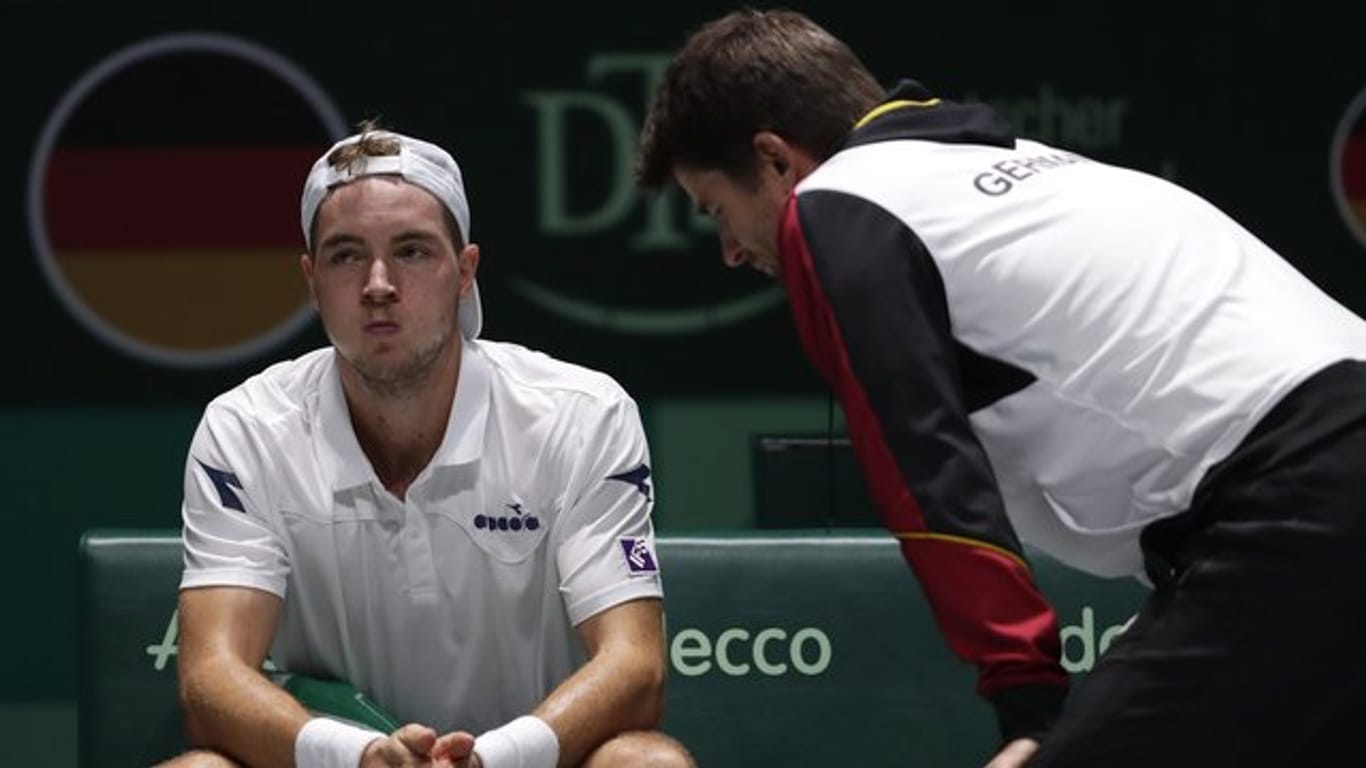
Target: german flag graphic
(171,201)
(1354,173)
(1350,167)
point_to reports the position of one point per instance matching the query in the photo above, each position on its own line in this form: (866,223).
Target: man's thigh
(1245,657)
(646,749)
(199,758)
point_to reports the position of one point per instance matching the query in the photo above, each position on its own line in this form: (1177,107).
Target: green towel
(338,700)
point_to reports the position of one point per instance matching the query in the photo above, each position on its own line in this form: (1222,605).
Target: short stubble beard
(406,379)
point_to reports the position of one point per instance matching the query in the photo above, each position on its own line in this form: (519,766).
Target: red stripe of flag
(1354,166)
(176,197)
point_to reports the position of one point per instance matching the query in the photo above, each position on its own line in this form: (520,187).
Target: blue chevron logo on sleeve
(639,477)
(224,482)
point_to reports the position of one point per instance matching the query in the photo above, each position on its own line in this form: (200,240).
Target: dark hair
(374,143)
(746,72)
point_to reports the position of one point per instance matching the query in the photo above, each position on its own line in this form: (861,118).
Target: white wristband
(327,743)
(527,742)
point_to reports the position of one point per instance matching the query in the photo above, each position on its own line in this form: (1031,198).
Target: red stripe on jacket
(984,598)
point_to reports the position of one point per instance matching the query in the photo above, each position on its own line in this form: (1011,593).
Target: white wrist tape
(327,743)
(527,742)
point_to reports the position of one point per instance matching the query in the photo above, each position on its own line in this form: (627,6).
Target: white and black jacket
(1032,345)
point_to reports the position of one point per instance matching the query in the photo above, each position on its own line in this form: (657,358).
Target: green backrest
(126,707)
(803,647)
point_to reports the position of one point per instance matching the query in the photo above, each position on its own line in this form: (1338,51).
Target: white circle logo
(163,198)
(1348,167)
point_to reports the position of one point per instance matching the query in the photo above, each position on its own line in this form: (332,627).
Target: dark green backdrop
(1242,102)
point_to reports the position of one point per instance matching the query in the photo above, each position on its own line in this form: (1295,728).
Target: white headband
(417,162)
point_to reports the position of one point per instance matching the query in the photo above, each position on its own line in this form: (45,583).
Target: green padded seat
(802,647)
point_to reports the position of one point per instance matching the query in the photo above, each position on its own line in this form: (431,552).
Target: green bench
(806,648)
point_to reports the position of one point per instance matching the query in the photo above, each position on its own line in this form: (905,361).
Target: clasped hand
(418,745)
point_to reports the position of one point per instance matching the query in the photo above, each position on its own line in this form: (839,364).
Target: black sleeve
(870,305)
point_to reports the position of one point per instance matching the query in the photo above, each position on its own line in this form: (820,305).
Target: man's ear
(790,162)
(306,266)
(467,261)
(774,151)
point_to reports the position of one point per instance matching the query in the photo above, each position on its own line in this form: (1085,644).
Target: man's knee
(646,749)
(199,758)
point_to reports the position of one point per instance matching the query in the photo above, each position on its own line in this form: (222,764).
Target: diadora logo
(224,482)
(519,520)
(639,477)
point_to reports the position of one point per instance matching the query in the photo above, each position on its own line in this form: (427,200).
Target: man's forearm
(233,709)
(610,694)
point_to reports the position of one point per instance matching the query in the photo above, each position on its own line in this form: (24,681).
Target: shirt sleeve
(871,309)
(227,534)
(604,538)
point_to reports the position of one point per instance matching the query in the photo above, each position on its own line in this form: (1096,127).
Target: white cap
(418,162)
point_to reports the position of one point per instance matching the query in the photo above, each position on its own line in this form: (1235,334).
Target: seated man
(430,517)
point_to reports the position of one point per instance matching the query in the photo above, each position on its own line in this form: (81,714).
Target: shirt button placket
(417,552)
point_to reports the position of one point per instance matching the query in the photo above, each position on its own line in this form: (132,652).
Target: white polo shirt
(455,606)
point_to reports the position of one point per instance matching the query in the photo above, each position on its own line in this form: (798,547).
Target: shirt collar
(345,464)
(910,111)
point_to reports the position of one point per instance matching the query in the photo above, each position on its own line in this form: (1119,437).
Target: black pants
(1251,650)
